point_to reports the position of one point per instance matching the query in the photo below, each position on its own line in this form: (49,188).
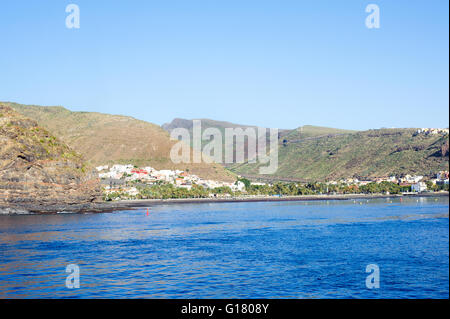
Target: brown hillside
(107,139)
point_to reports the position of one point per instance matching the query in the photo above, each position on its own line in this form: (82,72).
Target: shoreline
(108,207)
(139,203)
(99,207)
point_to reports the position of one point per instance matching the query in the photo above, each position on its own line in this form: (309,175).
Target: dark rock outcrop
(39,173)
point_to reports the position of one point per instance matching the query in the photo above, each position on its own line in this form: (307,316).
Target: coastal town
(126,181)
(131,182)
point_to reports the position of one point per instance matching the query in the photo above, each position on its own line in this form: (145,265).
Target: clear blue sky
(271,63)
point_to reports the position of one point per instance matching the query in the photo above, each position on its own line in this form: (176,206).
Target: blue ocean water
(312,249)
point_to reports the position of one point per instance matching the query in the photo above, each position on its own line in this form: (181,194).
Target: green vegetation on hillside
(368,154)
(308,131)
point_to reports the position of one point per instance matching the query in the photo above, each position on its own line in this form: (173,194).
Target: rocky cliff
(39,173)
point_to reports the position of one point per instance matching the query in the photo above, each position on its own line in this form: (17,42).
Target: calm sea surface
(315,249)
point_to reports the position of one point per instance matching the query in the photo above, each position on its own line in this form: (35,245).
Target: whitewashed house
(419,187)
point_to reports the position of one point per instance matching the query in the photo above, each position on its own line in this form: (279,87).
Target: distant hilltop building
(432,131)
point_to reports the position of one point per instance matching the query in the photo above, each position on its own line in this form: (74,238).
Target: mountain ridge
(309,153)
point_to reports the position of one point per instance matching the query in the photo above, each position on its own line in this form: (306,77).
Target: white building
(165,174)
(239,186)
(392,179)
(149,169)
(419,187)
(432,131)
(412,179)
(101,168)
(122,168)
